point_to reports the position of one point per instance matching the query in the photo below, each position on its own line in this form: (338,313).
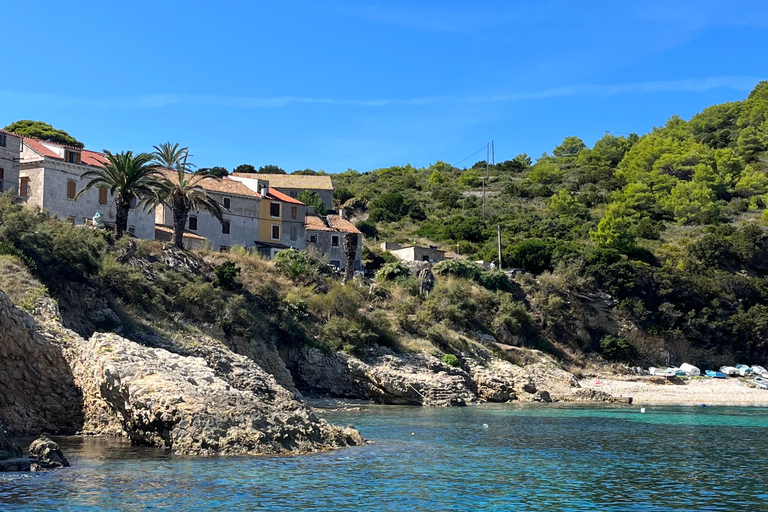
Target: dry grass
(18,283)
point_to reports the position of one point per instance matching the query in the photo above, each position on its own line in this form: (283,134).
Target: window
(72,157)
(71,189)
(72,220)
(294,194)
(335,241)
(313,239)
(227,203)
(294,234)
(2,177)
(294,212)
(23,186)
(103,195)
(335,264)
(3,140)
(424,257)
(193,224)
(225,227)
(274,209)
(275,232)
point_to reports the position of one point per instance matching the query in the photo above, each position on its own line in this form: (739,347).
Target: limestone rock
(8,449)
(47,453)
(542,396)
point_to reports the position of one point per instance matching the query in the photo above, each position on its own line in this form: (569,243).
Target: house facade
(326,237)
(293,185)
(414,252)
(10,160)
(50,177)
(255,216)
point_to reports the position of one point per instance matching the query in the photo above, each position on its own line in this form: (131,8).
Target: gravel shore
(681,391)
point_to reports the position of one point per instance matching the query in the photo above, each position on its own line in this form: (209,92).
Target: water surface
(477,458)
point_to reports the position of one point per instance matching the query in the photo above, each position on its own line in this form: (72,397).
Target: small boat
(743,369)
(690,370)
(662,372)
(714,374)
(761,382)
(759,370)
(730,371)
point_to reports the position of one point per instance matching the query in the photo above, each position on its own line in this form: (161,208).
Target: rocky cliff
(219,403)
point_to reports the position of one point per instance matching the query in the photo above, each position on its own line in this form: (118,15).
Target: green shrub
(458,268)
(451,360)
(7,248)
(297,264)
(226,274)
(392,272)
(617,348)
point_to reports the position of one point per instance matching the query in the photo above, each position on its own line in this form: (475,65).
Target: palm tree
(181,190)
(127,177)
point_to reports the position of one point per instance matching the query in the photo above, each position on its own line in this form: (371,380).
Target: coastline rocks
(48,455)
(8,449)
(189,405)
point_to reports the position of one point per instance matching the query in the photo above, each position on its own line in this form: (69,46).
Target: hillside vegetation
(669,226)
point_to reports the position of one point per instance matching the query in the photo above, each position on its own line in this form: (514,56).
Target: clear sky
(336,85)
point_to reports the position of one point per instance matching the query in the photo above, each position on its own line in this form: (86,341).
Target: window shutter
(71,189)
(103,195)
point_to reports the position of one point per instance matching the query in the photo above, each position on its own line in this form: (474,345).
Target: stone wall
(38,389)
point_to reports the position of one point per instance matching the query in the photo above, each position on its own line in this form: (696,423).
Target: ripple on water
(528,458)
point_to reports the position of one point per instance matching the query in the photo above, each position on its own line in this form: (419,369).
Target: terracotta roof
(87,157)
(187,234)
(315,223)
(221,185)
(279,196)
(292,180)
(341,224)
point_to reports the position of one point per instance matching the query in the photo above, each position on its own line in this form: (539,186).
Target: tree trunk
(122,206)
(180,217)
(350,253)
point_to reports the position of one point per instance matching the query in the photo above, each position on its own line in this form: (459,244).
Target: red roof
(87,157)
(315,223)
(221,185)
(40,149)
(338,223)
(279,196)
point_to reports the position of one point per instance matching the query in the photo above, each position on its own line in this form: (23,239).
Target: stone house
(50,176)
(10,159)
(255,215)
(325,237)
(414,252)
(293,185)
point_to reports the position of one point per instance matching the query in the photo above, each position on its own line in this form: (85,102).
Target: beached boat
(690,370)
(730,371)
(759,370)
(662,372)
(714,374)
(761,382)
(743,369)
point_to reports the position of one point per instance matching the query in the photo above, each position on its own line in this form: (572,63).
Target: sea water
(517,458)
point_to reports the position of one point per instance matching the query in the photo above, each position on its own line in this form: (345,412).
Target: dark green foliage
(8,248)
(245,169)
(218,172)
(451,360)
(388,207)
(342,194)
(299,265)
(532,255)
(314,200)
(458,268)
(43,131)
(392,272)
(226,274)
(270,169)
(367,228)
(616,348)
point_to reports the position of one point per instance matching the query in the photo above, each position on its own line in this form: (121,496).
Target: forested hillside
(670,224)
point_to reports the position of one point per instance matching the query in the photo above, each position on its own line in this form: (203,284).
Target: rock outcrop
(227,405)
(38,389)
(48,455)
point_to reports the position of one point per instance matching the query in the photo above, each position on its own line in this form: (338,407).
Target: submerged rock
(47,453)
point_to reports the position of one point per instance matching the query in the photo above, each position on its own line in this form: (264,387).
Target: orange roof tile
(298,181)
(40,149)
(279,196)
(315,223)
(221,185)
(92,158)
(338,223)
(87,157)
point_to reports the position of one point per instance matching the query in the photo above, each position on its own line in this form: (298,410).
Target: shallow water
(527,458)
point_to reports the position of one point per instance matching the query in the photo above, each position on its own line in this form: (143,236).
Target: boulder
(542,396)
(47,453)
(8,449)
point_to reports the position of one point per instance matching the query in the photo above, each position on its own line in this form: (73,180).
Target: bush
(295,264)
(458,268)
(368,228)
(617,348)
(392,272)
(226,274)
(451,360)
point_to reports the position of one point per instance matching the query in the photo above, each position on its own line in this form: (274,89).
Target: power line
(473,154)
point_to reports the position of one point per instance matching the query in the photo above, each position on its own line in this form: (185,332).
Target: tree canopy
(43,131)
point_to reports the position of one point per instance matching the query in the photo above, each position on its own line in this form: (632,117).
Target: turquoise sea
(502,457)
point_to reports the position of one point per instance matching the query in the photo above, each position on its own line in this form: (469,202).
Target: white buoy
(485,425)
(642,410)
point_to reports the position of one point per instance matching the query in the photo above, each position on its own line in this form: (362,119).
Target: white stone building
(50,176)
(10,158)
(293,185)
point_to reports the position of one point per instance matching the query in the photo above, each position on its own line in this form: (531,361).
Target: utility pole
(487,157)
(498,233)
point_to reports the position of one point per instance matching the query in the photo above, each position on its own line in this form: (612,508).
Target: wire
(473,154)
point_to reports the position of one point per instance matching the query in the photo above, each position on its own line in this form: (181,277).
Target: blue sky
(337,85)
